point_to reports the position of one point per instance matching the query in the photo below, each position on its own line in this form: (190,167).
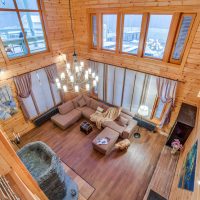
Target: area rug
(85,189)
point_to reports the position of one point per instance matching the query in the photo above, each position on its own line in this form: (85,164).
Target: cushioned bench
(106,148)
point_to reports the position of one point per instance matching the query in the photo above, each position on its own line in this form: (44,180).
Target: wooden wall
(57,23)
(188,73)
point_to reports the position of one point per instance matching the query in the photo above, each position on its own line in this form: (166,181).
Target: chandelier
(76,77)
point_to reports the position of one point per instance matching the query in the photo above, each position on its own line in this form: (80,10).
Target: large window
(22,33)
(131,33)
(156,36)
(109,31)
(158,30)
(182,37)
(94,31)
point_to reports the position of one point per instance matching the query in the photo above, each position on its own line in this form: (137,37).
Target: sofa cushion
(86,111)
(66,107)
(122,121)
(64,121)
(114,126)
(87,99)
(82,102)
(94,104)
(75,101)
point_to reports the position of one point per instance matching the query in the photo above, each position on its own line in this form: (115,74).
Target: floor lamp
(143,111)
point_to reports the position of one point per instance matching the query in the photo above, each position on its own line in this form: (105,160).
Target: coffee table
(106,133)
(86,127)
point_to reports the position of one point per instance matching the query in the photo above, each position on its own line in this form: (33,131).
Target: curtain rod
(137,71)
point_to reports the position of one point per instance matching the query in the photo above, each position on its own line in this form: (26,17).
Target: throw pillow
(82,102)
(66,107)
(75,101)
(87,99)
(94,104)
(122,121)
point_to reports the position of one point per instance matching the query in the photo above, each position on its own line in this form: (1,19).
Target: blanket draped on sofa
(110,115)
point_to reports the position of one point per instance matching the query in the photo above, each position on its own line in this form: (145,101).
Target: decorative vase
(174,150)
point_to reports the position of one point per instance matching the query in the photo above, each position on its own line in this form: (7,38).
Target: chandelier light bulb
(76,88)
(57,80)
(94,83)
(87,86)
(82,64)
(97,78)
(93,75)
(72,78)
(68,66)
(58,85)
(62,76)
(77,69)
(89,70)
(65,88)
(86,77)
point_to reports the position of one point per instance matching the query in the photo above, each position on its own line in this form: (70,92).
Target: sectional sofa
(71,111)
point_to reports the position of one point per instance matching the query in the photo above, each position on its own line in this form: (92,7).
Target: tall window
(157,35)
(94,31)
(131,33)
(109,30)
(182,37)
(21,28)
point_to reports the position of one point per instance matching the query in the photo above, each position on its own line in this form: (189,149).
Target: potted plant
(176,145)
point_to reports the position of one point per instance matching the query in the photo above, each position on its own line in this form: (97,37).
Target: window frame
(174,61)
(172,35)
(117,31)
(44,28)
(122,32)
(146,34)
(91,30)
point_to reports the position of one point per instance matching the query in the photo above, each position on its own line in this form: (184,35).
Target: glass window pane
(185,25)
(110,82)
(101,81)
(131,33)
(34,32)
(159,109)
(128,89)
(159,26)
(118,86)
(11,35)
(7,4)
(151,94)
(27,4)
(109,31)
(94,31)
(138,89)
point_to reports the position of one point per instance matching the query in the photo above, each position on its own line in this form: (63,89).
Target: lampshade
(143,111)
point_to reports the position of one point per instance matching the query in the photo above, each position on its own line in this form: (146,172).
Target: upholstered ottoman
(106,148)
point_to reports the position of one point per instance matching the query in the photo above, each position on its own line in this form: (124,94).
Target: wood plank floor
(117,176)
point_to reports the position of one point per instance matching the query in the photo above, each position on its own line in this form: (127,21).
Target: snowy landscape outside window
(109,31)
(22,31)
(131,33)
(157,35)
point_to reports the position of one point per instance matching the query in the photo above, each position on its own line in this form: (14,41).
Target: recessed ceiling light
(198,95)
